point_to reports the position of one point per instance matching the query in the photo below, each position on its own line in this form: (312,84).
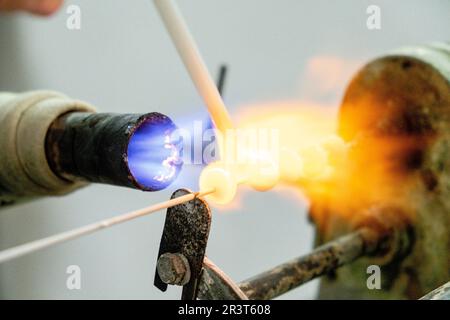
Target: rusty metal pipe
(321,261)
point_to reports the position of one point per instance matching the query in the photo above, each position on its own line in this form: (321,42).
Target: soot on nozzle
(131,150)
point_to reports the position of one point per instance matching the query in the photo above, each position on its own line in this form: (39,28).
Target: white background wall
(122,61)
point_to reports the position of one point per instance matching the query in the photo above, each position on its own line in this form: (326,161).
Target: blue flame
(190,174)
(153,159)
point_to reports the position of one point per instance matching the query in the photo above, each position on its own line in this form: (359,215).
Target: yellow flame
(308,154)
(306,149)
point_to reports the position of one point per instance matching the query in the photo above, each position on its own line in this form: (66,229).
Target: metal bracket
(186,232)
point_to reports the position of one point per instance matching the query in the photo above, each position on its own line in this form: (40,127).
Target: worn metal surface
(322,260)
(396,114)
(441,293)
(216,285)
(186,232)
(93,147)
(174,269)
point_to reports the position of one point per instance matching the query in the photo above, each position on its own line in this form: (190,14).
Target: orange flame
(309,153)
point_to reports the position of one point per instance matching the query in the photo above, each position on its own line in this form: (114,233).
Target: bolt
(173,268)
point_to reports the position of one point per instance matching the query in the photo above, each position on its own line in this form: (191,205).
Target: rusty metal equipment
(321,261)
(181,259)
(401,103)
(185,236)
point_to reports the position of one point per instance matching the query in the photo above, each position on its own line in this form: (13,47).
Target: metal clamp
(183,245)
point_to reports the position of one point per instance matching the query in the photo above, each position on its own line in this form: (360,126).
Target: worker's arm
(41,7)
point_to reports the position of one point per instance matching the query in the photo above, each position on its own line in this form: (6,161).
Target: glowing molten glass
(219,178)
